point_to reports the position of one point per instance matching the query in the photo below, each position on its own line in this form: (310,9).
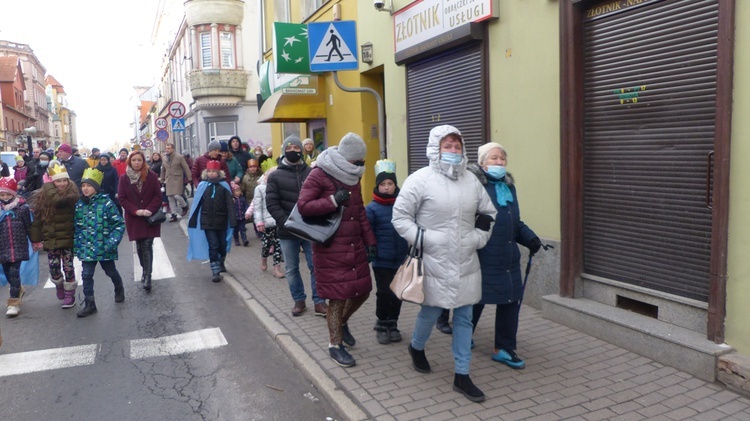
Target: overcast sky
(98,55)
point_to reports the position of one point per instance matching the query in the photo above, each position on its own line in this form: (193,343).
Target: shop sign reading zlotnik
(423,20)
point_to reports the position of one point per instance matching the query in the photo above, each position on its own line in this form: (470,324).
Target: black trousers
(506,324)
(387,306)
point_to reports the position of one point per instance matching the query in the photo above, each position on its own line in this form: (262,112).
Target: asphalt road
(189,350)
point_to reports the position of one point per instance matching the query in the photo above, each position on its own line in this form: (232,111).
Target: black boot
(394,335)
(243,234)
(223,267)
(89,309)
(463,384)
(119,293)
(148,261)
(215,271)
(442,323)
(419,360)
(381,330)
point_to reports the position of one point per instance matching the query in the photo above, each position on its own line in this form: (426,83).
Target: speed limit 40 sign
(161,123)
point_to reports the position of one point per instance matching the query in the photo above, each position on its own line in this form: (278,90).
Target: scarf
(385,199)
(504,195)
(335,165)
(135,178)
(7,208)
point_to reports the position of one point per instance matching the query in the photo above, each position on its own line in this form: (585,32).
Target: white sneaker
(13,311)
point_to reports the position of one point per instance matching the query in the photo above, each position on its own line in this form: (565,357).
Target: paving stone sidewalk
(569,375)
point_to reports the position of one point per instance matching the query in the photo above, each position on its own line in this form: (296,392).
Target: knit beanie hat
(485,149)
(291,140)
(223,146)
(65,148)
(124,150)
(57,171)
(308,141)
(352,147)
(8,185)
(214,145)
(93,177)
(213,165)
(19,158)
(385,175)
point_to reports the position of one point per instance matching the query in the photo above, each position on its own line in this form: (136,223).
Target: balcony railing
(218,82)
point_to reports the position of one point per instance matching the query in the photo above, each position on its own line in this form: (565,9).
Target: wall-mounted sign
(423,20)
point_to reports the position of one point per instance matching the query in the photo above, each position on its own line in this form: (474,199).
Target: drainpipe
(381,112)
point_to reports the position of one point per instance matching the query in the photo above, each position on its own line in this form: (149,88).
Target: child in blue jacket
(99,228)
(392,251)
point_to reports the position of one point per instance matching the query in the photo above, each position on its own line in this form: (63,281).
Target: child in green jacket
(99,228)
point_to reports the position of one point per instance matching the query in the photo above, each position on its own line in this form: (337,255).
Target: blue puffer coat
(500,259)
(392,249)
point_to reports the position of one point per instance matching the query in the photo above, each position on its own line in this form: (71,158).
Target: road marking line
(177,344)
(47,359)
(162,266)
(77,266)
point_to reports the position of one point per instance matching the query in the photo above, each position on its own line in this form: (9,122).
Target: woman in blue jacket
(392,250)
(500,258)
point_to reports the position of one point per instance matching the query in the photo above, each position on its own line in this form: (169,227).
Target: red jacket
(341,267)
(120,166)
(132,200)
(200,164)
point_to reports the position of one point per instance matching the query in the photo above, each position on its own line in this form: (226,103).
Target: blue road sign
(178,124)
(333,46)
(162,135)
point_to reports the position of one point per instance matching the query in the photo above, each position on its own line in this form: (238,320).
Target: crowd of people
(466,214)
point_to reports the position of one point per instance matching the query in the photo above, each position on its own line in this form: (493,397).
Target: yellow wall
(524,104)
(737,331)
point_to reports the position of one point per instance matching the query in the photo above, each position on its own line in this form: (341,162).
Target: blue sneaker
(347,337)
(341,356)
(509,358)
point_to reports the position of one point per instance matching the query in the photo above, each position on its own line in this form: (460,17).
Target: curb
(309,367)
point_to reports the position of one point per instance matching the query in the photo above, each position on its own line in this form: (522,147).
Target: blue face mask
(451,158)
(44,163)
(497,171)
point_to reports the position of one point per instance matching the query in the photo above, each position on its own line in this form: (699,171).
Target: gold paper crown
(57,171)
(92,174)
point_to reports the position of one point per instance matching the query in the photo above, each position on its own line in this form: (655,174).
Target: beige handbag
(408,284)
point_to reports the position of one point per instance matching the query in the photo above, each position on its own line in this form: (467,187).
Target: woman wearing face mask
(35,176)
(455,214)
(500,258)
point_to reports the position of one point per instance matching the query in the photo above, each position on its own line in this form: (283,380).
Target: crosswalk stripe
(47,359)
(77,266)
(177,344)
(161,268)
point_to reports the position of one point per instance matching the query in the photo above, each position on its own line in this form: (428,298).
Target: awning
(285,107)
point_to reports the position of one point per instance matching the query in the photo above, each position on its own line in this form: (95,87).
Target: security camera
(379,4)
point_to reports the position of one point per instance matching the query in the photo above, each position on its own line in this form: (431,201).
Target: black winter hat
(385,175)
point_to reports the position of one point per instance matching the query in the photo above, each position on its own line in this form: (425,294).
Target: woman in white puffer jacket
(265,224)
(456,214)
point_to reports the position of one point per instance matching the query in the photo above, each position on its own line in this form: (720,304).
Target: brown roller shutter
(446,89)
(650,99)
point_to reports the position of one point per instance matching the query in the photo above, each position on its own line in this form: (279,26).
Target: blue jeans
(461,333)
(217,244)
(290,250)
(87,274)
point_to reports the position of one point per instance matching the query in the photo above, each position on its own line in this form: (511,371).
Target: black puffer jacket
(282,192)
(216,208)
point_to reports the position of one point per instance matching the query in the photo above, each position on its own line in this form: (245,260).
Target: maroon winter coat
(341,267)
(200,164)
(131,200)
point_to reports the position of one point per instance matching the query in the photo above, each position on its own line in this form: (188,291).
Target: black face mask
(292,156)
(359,163)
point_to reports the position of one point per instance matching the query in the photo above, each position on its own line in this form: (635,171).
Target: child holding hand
(15,228)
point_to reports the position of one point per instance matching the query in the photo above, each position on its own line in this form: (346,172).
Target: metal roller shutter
(650,99)
(446,89)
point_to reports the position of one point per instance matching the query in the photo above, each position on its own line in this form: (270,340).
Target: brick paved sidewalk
(569,375)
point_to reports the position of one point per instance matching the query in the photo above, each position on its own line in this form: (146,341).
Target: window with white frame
(308,7)
(226,43)
(206,59)
(221,129)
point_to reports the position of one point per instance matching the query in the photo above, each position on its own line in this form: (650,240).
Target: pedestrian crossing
(162,267)
(84,355)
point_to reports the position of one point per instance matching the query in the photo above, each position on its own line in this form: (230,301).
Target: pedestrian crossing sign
(178,124)
(333,46)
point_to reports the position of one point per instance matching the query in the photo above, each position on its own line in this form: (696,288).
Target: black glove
(341,196)
(372,253)
(483,222)
(534,245)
